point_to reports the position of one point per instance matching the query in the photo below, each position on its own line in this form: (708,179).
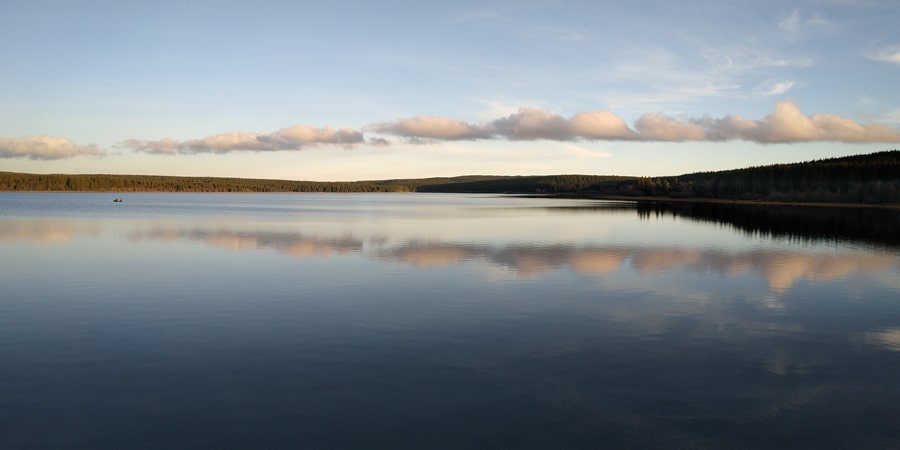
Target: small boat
(118,200)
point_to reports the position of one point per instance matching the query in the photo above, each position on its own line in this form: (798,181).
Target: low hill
(551,184)
(10,181)
(872,178)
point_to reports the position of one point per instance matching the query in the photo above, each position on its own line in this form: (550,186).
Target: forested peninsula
(868,179)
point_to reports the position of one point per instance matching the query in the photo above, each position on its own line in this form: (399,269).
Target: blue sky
(352,90)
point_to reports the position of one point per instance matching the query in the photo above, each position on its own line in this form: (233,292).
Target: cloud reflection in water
(581,310)
(780,268)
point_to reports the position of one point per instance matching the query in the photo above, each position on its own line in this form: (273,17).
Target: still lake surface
(444,321)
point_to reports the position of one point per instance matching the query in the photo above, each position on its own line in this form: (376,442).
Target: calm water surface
(444,321)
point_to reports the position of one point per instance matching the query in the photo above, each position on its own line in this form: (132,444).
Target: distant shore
(574,195)
(728,201)
(860,181)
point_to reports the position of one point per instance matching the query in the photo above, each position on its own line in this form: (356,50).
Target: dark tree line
(131,183)
(135,183)
(552,184)
(872,178)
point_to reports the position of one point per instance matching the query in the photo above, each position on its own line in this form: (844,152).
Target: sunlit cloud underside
(787,124)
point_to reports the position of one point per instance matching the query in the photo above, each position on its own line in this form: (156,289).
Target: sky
(361,90)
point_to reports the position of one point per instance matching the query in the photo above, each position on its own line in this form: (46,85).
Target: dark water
(444,321)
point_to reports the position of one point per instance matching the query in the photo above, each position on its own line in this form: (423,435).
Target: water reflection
(888,338)
(575,327)
(781,268)
(295,245)
(46,232)
(866,225)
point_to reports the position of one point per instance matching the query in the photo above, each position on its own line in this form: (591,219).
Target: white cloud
(796,24)
(778,88)
(525,124)
(432,128)
(298,135)
(891,117)
(889,54)
(788,124)
(531,123)
(600,125)
(658,127)
(44,147)
(496,108)
(293,138)
(790,24)
(785,125)
(742,59)
(864,101)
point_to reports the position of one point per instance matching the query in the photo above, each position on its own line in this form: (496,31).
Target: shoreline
(729,201)
(894,206)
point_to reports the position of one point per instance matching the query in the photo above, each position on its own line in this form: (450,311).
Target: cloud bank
(293,138)
(526,124)
(786,124)
(441,128)
(44,147)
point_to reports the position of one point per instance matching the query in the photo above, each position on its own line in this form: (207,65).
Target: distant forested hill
(132,183)
(872,178)
(549,184)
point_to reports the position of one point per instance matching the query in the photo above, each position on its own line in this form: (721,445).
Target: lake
(444,321)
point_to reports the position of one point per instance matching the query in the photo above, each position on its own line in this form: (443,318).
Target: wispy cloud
(776,88)
(791,23)
(798,24)
(888,54)
(741,59)
(660,80)
(507,22)
(44,147)
(892,117)
(293,138)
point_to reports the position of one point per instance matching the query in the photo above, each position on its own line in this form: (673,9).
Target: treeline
(551,184)
(872,178)
(135,183)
